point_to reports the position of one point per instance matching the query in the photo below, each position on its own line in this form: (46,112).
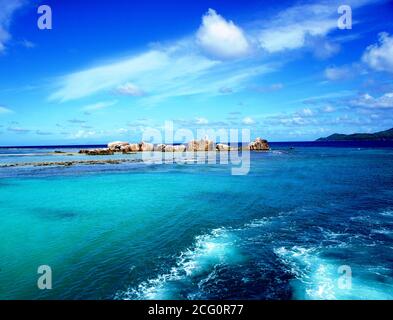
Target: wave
(195,265)
(209,250)
(317,278)
(387,213)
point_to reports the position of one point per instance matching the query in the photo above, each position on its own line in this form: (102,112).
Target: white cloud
(248,121)
(296,120)
(99,105)
(338,73)
(225,90)
(304,25)
(7,8)
(379,56)
(18,130)
(76,121)
(83,134)
(290,28)
(43,133)
(201,121)
(303,117)
(324,49)
(269,88)
(86,134)
(307,112)
(221,38)
(367,101)
(27,44)
(4,110)
(130,89)
(107,76)
(328,109)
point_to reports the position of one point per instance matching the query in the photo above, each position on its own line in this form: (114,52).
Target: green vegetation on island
(386,135)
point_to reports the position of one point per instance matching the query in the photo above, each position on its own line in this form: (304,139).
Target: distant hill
(377,136)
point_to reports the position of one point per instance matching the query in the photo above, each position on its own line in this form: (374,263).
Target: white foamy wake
(217,247)
(387,213)
(256,223)
(319,279)
(209,250)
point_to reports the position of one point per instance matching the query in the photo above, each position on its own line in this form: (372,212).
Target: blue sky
(109,69)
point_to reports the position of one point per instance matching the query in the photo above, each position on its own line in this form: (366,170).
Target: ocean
(286,230)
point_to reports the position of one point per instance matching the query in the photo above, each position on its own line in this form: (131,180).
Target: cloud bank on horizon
(288,74)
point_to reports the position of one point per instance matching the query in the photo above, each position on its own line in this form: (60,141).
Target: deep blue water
(194,231)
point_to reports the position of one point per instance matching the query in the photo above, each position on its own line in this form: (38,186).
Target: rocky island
(203,145)
(121,147)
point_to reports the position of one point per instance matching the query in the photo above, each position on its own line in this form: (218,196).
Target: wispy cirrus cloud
(170,72)
(268,88)
(129,89)
(4,110)
(43,133)
(339,73)
(108,76)
(18,130)
(76,121)
(199,64)
(7,9)
(290,28)
(99,105)
(304,25)
(27,44)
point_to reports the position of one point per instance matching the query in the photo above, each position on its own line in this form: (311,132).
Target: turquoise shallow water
(135,231)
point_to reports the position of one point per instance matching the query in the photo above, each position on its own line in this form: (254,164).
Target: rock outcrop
(179,148)
(169,148)
(97,152)
(144,147)
(259,145)
(200,145)
(117,145)
(223,147)
(130,148)
(160,148)
(195,145)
